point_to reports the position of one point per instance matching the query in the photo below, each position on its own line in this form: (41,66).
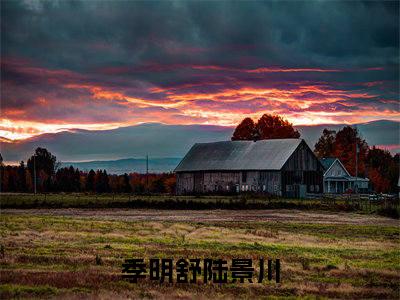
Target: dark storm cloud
(81,35)
(124,62)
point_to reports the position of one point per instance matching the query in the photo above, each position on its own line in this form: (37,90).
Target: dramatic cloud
(105,64)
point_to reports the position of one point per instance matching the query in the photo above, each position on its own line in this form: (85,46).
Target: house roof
(239,155)
(327,162)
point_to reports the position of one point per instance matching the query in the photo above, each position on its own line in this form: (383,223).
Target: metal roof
(238,155)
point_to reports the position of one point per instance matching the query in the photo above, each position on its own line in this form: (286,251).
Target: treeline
(380,166)
(51,178)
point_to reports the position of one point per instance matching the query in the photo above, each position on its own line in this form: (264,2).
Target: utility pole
(356,166)
(147,172)
(355,183)
(34,173)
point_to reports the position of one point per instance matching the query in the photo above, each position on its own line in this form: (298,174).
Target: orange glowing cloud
(56,100)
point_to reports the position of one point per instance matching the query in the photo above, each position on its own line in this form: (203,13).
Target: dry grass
(55,256)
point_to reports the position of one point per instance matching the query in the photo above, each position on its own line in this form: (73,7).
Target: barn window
(244,176)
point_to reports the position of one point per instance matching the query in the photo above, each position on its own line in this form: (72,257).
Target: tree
(102,182)
(343,146)
(244,131)
(90,181)
(126,186)
(170,184)
(380,183)
(325,147)
(22,186)
(267,127)
(45,165)
(383,169)
(275,127)
(345,149)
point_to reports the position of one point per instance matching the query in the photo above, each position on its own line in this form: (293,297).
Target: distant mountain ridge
(128,165)
(163,141)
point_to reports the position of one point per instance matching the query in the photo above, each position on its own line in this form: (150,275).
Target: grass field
(243,201)
(78,253)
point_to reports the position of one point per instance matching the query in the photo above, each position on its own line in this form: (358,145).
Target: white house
(337,179)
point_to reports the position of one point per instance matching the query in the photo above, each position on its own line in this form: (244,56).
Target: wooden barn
(282,167)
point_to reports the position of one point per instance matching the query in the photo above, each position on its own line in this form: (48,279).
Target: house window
(244,176)
(243,188)
(247,187)
(311,188)
(227,187)
(317,188)
(264,187)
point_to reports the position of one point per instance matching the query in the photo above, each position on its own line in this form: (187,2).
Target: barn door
(198,182)
(302,190)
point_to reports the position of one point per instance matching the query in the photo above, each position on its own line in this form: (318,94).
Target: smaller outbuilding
(337,180)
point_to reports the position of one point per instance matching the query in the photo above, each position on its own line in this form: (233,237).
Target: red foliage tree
(380,183)
(244,131)
(345,149)
(275,127)
(267,127)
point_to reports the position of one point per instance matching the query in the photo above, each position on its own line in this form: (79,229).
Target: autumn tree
(383,169)
(347,142)
(267,127)
(244,131)
(126,186)
(325,145)
(275,127)
(102,182)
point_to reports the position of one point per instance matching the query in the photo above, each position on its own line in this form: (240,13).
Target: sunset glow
(186,72)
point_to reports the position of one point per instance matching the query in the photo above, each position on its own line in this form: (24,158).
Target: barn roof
(238,155)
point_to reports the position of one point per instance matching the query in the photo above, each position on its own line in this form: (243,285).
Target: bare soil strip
(273,215)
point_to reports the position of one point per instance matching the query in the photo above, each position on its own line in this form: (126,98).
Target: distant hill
(127,165)
(163,141)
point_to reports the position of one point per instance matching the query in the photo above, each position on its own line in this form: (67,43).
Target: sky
(108,64)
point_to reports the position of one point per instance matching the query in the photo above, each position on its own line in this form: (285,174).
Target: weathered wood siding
(302,173)
(184,183)
(229,182)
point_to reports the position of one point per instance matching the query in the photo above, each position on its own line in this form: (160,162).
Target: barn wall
(184,183)
(231,182)
(302,173)
(221,181)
